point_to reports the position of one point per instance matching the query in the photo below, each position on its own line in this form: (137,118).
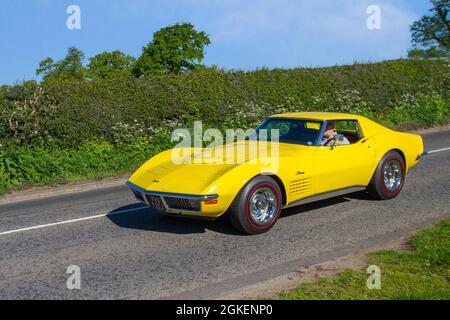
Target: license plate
(155,202)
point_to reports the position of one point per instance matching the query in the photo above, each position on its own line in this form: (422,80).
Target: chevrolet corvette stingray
(308,168)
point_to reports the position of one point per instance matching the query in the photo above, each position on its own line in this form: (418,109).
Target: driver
(329,134)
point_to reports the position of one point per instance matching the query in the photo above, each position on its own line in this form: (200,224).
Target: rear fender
(410,146)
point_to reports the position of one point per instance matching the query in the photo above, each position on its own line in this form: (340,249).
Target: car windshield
(296,131)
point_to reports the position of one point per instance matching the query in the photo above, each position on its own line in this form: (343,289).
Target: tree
(174,49)
(431,34)
(431,53)
(71,67)
(110,65)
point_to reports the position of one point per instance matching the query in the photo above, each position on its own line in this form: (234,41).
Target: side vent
(299,187)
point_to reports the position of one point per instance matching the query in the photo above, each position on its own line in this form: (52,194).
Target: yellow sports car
(303,157)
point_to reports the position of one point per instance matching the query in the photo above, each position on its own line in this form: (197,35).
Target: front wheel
(257,206)
(388,179)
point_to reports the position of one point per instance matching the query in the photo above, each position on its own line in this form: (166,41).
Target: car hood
(195,170)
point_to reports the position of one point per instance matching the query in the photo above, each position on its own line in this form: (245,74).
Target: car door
(298,175)
(343,166)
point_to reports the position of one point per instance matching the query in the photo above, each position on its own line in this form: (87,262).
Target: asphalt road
(125,251)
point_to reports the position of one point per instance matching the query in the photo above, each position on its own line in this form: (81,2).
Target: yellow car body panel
(302,171)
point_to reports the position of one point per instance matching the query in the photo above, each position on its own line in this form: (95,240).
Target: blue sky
(245,34)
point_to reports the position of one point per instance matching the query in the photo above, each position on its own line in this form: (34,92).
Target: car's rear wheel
(257,206)
(388,179)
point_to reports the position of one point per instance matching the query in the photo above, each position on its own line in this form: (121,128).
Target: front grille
(155,202)
(182,204)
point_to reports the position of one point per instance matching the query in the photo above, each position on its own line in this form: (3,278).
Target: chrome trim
(175,195)
(263,206)
(164,203)
(325,195)
(393,175)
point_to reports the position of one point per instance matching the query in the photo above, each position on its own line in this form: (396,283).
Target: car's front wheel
(257,206)
(388,179)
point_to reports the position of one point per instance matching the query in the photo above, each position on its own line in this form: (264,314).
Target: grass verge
(422,274)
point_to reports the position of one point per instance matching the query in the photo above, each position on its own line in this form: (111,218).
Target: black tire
(377,188)
(240,212)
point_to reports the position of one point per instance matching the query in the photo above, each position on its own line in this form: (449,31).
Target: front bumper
(171,202)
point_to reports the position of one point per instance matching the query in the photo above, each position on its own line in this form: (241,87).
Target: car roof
(319,116)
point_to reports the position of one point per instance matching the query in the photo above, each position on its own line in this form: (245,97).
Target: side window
(349,128)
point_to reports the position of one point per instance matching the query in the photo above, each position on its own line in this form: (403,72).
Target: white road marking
(68,221)
(439,150)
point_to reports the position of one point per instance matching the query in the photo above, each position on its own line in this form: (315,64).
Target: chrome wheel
(263,206)
(393,175)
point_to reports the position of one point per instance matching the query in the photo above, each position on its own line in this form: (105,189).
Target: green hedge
(69,113)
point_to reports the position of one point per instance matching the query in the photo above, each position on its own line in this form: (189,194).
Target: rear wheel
(257,206)
(388,179)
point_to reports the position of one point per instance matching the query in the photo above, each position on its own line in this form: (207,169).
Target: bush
(69,130)
(117,111)
(91,160)
(424,110)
